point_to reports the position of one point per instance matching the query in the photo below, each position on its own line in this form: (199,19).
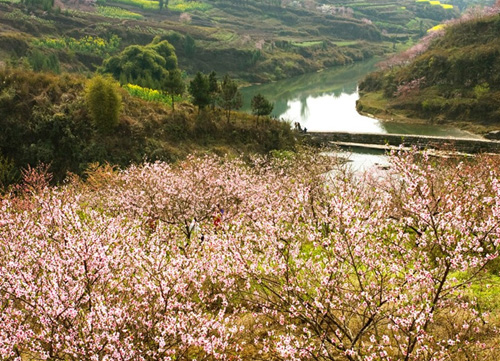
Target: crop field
(174,5)
(87,44)
(115,12)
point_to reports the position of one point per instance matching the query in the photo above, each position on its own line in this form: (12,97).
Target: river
(326,101)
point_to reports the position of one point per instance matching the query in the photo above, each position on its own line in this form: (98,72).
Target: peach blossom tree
(284,258)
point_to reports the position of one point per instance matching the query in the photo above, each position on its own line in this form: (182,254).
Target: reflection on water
(326,101)
(331,113)
(298,98)
(427,129)
(361,162)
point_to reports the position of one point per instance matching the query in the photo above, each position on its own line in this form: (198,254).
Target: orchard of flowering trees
(284,258)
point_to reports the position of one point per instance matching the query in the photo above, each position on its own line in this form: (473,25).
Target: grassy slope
(460,80)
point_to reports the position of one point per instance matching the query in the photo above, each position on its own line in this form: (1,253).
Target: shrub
(372,82)
(41,62)
(103,102)
(8,172)
(183,6)
(481,90)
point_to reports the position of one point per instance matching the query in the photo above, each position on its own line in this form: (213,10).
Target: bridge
(390,141)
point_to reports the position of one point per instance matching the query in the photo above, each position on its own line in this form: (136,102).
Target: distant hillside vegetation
(253,40)
(456,79)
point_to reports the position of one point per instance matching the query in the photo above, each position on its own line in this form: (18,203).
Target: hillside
(48,48)
(252,40)
(44,119)
(451,77)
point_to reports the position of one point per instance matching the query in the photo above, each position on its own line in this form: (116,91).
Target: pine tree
(213,87)
(174,85)
(261,106)
(230,97)
(199,88)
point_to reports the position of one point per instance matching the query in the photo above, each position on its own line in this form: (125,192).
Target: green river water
(326,101)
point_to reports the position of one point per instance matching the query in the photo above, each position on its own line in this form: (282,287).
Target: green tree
(189,46)
(165,50)
(41,62)
(147,66)
(213,87)
(199,88)
(103,102)
(174,85)
(256,55)
(261,106)
(229,97)
(8,172)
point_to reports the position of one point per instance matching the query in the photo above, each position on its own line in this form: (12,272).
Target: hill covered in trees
(282,257)
(254,40)
(452,76)
(157,51)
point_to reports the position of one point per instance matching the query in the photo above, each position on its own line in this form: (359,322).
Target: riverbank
(449,78)
(392,141)
(375,105)
(326,102)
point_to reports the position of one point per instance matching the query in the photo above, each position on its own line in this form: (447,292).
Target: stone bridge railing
(422,142)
